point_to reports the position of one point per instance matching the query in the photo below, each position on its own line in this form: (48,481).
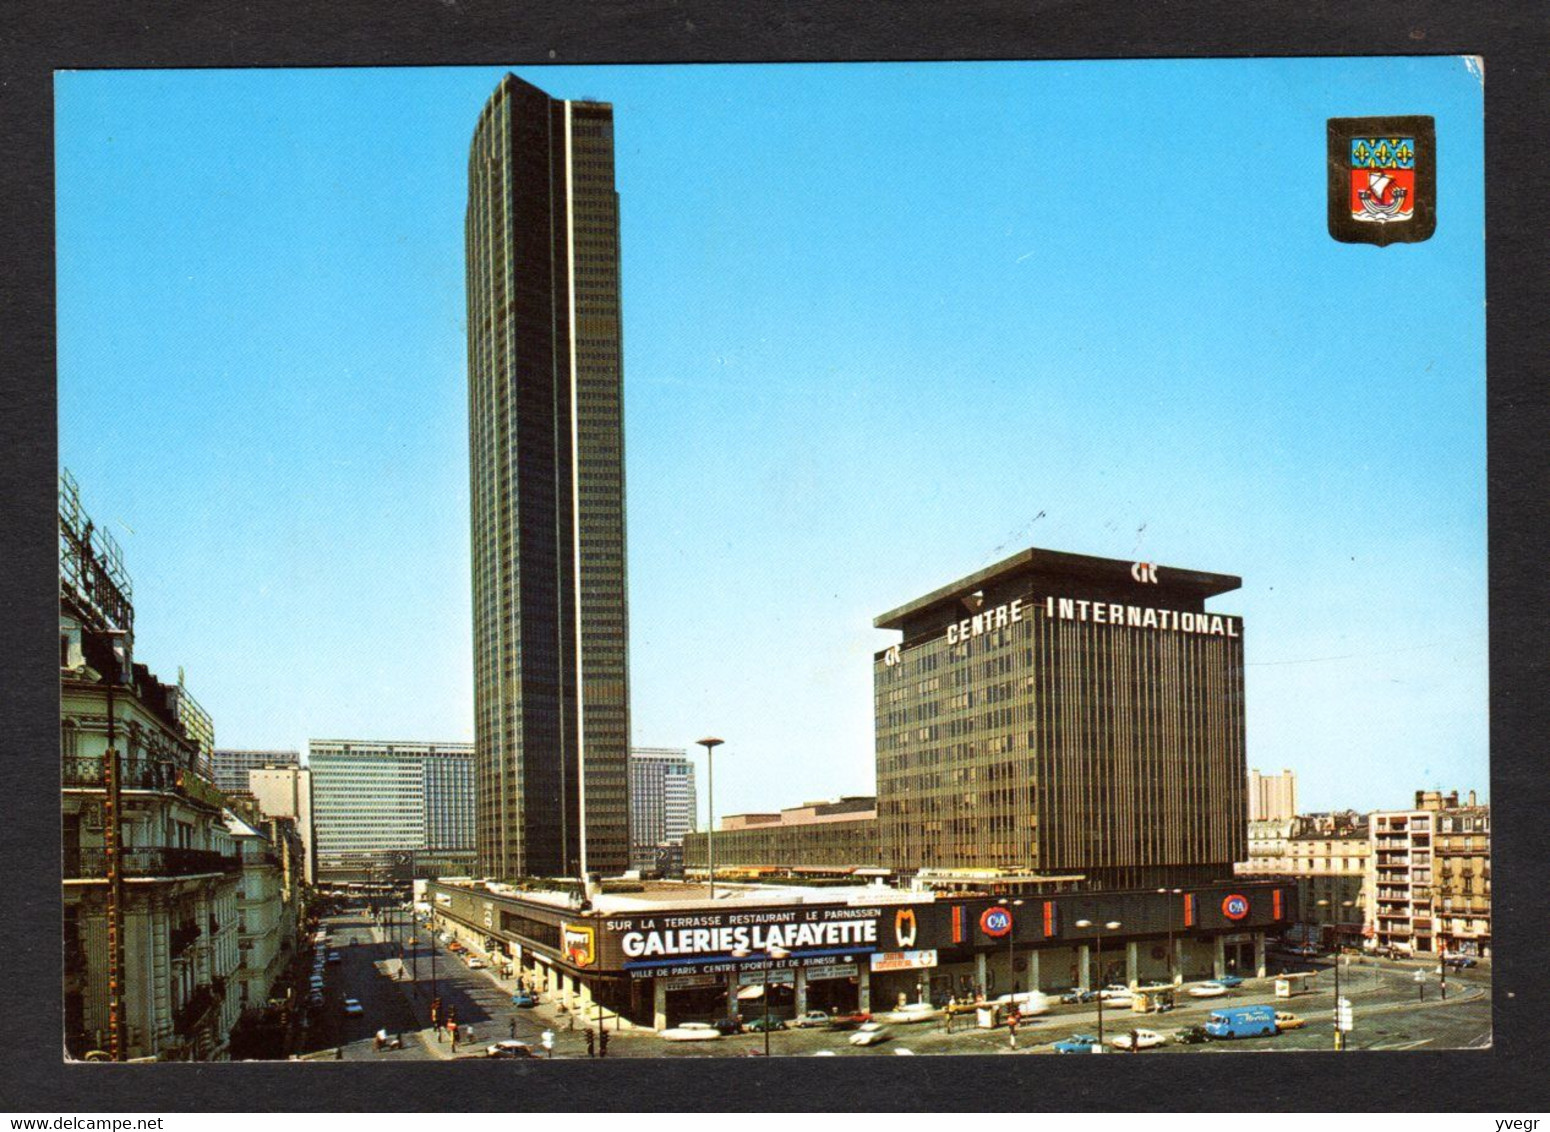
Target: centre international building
(1063,715)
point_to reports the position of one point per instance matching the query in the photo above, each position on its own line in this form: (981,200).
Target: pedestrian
(602,1042)
(513,1029)
(1135,1042)
(591,1043)
(1012,1019)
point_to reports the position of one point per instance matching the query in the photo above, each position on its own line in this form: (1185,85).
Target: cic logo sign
(891,655)
(1144,572)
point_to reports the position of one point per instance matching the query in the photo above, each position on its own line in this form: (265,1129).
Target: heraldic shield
(1382,179)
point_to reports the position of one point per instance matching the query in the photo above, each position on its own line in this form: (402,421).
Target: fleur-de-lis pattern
(1383,153)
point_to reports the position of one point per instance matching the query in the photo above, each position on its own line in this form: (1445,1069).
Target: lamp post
(1172,976)
(710,743)
(772,954)
(1113,926)
(1011,937)
(1339,1033)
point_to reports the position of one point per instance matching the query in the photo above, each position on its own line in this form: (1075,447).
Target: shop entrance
(837,995)
(1239,958)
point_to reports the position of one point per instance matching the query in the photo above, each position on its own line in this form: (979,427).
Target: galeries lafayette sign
(721,933)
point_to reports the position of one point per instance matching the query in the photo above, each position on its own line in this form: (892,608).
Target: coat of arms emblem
(1382,179)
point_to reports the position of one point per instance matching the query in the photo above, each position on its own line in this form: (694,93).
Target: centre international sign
(1099,613)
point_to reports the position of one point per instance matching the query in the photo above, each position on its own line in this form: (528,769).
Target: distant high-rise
(1272,797)
(546,470)
(232,766)
(662,801)
(383,805)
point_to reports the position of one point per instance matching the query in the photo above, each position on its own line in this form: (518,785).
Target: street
(1390,1012)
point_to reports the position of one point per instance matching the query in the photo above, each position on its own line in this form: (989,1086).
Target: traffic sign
(1343,1016)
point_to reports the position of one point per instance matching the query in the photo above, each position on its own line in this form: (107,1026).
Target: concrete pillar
(981,980)
(1032,982)
(864,989)
(659,1004)
(1132,964)
(1259,955)
(1084,978)
(1176,960)
(801,992)
(1219,956)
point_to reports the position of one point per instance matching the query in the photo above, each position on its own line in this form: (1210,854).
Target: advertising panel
(903,960)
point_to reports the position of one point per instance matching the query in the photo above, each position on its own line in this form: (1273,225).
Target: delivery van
(1242,1022)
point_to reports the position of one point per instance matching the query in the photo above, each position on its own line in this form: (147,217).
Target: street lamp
(772,954)
(1339,1033)
(1172,977)
(710,743)
(1113,926)
(1011,937)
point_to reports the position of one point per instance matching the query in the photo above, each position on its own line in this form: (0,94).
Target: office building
(1272,797)
(1063,715)
(662,806)
(232,766)
(815,837)
(383,809)
(151,871)
(546,456)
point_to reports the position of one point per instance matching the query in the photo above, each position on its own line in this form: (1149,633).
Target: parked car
(761,1024)
(849,1021)
(1077,1043)
(1117,995)
(812,1018)
(1461,962)
(1028,1003)
(352,1006)
(1076,996)
(315,1000)
(692,1032)
(911,1012)
(508,1047)
(1242,1022)
(1143,1039)
(1208,990)
(869,1034)
(1192,1035)
(335,957)
(728,1025)
(1288,1021)
(523,998)
(1230,981)
(476,964)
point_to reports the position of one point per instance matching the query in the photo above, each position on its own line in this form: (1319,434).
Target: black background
(38,37)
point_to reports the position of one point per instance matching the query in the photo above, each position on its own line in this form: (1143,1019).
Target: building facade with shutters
(151,871)
(546,462)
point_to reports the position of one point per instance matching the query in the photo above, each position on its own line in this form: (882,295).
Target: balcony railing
(188,1017)
(92,864)
(182,938)
(134,774)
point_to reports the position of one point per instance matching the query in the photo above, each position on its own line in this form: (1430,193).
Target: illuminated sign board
(654,939)
(1099,613)
(903,960)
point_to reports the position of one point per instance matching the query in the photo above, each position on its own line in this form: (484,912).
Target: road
(1390,1012)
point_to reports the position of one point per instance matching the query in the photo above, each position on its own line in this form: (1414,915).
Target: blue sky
(884,324)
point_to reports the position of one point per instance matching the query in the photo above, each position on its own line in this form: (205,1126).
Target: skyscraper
(662,801)
(546,454)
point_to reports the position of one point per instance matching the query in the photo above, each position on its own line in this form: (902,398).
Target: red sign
(1235,906)
(996,922)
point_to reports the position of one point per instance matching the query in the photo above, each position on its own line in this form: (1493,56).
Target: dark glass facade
(1065,715)
(546,453)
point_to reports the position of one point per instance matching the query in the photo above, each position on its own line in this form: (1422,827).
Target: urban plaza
(1060,802)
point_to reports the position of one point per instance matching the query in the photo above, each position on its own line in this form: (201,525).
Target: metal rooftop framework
(91,563)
